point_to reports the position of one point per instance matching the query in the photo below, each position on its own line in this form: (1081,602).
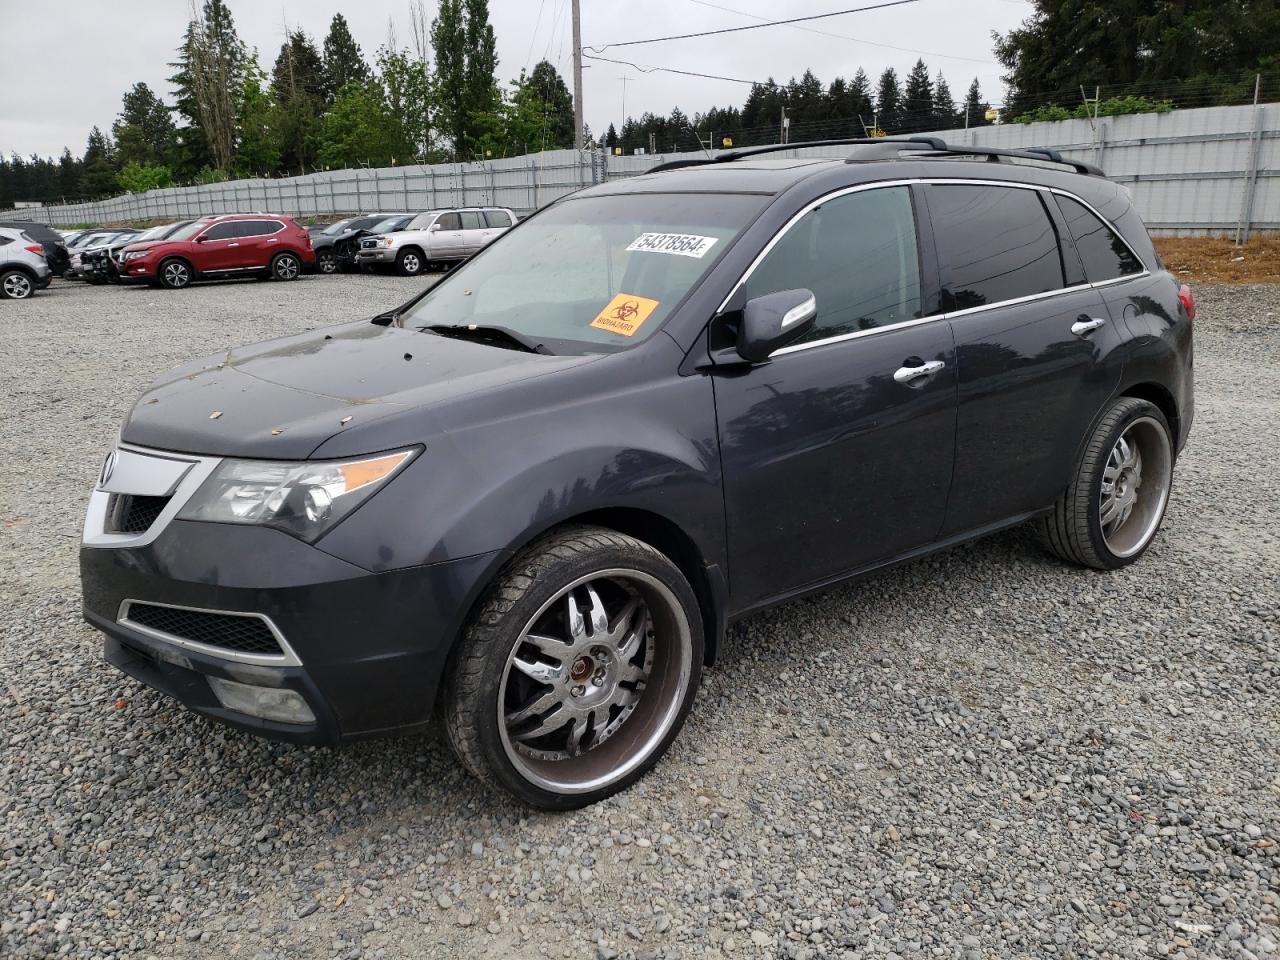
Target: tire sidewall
(496,634)
(1136,410)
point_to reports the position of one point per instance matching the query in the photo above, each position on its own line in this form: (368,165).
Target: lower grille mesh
(135,514)
(224,630)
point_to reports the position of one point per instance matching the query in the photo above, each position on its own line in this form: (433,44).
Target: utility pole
(577,75)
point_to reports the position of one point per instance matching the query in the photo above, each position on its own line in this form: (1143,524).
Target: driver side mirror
(436,226)
(771,322)
(203,238)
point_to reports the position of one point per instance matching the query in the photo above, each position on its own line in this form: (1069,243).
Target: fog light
(269,703)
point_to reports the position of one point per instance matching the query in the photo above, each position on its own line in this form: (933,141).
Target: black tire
(1075,531)
(285,266)
(410,262)
(16,285)
(326,262)
(669,640)
(174,274)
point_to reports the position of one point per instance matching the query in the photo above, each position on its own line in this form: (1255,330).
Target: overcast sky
(65,65)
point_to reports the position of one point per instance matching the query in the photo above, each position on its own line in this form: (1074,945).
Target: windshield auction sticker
(625,313)
(678,244)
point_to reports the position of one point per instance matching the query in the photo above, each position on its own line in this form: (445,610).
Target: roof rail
(885,148)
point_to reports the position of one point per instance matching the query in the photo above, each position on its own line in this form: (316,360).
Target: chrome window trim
(286,659)
(95,533)
(968,311)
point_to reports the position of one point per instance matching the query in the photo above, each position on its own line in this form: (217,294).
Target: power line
(840,36)
(755,26)
(683,73)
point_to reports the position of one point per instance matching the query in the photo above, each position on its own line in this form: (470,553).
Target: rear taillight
(34,248)
(1188,301)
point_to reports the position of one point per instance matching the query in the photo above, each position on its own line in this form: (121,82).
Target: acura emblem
(108,465)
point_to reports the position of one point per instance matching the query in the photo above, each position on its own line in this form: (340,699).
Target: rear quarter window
(1104,254)
(497,218)
(995,243)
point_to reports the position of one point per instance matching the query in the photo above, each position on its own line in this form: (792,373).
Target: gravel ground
(980,754)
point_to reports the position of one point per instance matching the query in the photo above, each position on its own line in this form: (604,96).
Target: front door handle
(233,244)
(908,374)
(1086,325)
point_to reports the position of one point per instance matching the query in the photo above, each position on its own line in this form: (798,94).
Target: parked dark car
(55,248)
(215,248)
(337,244)
(527,502)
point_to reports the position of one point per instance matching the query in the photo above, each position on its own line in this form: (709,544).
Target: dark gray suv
(526,503)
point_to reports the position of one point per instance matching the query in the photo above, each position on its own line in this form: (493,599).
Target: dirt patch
(1213,260)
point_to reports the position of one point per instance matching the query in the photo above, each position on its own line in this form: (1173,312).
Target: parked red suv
(217,247)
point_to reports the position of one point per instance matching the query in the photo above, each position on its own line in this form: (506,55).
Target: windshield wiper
(495,335)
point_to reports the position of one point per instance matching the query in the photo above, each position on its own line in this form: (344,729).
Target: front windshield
(387,225)
(601,273)
(336,228)
(189,231)
(151,234)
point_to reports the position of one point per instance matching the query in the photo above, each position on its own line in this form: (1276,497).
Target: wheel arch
(21,268)
(1162,397)
(176,256)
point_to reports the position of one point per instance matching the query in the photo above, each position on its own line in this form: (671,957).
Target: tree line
(318,106)
(437,97)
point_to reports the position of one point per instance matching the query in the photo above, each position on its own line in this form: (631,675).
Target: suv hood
(144,245)
(283,398)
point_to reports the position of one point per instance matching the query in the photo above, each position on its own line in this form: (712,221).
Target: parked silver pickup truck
(437,236)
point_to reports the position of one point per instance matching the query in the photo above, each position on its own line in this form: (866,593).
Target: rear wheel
(1110,512)
(285,266)
(409,262)
(175,274)
(15,285)
(577,671)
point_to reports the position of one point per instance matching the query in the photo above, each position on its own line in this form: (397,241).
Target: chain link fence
(1206,171)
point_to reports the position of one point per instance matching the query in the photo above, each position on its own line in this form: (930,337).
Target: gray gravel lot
(981,754)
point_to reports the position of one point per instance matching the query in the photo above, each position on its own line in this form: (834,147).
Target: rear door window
(995,244)
(471,220)
(1104,254)
(497,218)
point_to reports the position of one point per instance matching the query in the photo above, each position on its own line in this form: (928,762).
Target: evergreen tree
(69,173)
(298,84)
(888,97)
(481,93)
(917,100)
(190,151)
(466,58)
(860,104)
(611,138)
(144,129)
(975,108)
(210,79)
(944,109)
(343,61)
(258,145)
(410,93)
(550,89)
(807,104)
(99,179)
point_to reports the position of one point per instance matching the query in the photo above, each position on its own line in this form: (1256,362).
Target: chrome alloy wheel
(411,263)
(1135,486)
(17,286)
(286,267)
(176,274)
(594,681)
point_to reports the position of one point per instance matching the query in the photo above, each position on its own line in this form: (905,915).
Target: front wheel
(409,263)
(1110,512)
(326,262)
(285,266)
(577,671)
(174,274)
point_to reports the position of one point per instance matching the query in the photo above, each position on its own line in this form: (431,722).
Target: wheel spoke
(577,627)
(599,619)
(548,725)
(536,707)
(537,670)
(578,731)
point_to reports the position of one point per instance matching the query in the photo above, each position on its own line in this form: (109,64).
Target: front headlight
(387,242)
(304,499)
(133,254)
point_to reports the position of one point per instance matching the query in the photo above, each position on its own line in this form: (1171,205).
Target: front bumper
(377,255)
(366,651)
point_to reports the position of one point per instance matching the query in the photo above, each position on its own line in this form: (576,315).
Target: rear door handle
(908,374)
(1086,325)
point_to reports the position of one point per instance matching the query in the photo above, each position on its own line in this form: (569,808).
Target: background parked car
(101,264)
(55,247)
(85,241)
(216,247)
(437,236)
(23,268)
(336,246)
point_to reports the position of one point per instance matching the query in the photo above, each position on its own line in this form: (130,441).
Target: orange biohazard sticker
(624,314)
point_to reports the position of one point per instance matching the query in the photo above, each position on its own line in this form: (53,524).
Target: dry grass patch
(1213,260)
